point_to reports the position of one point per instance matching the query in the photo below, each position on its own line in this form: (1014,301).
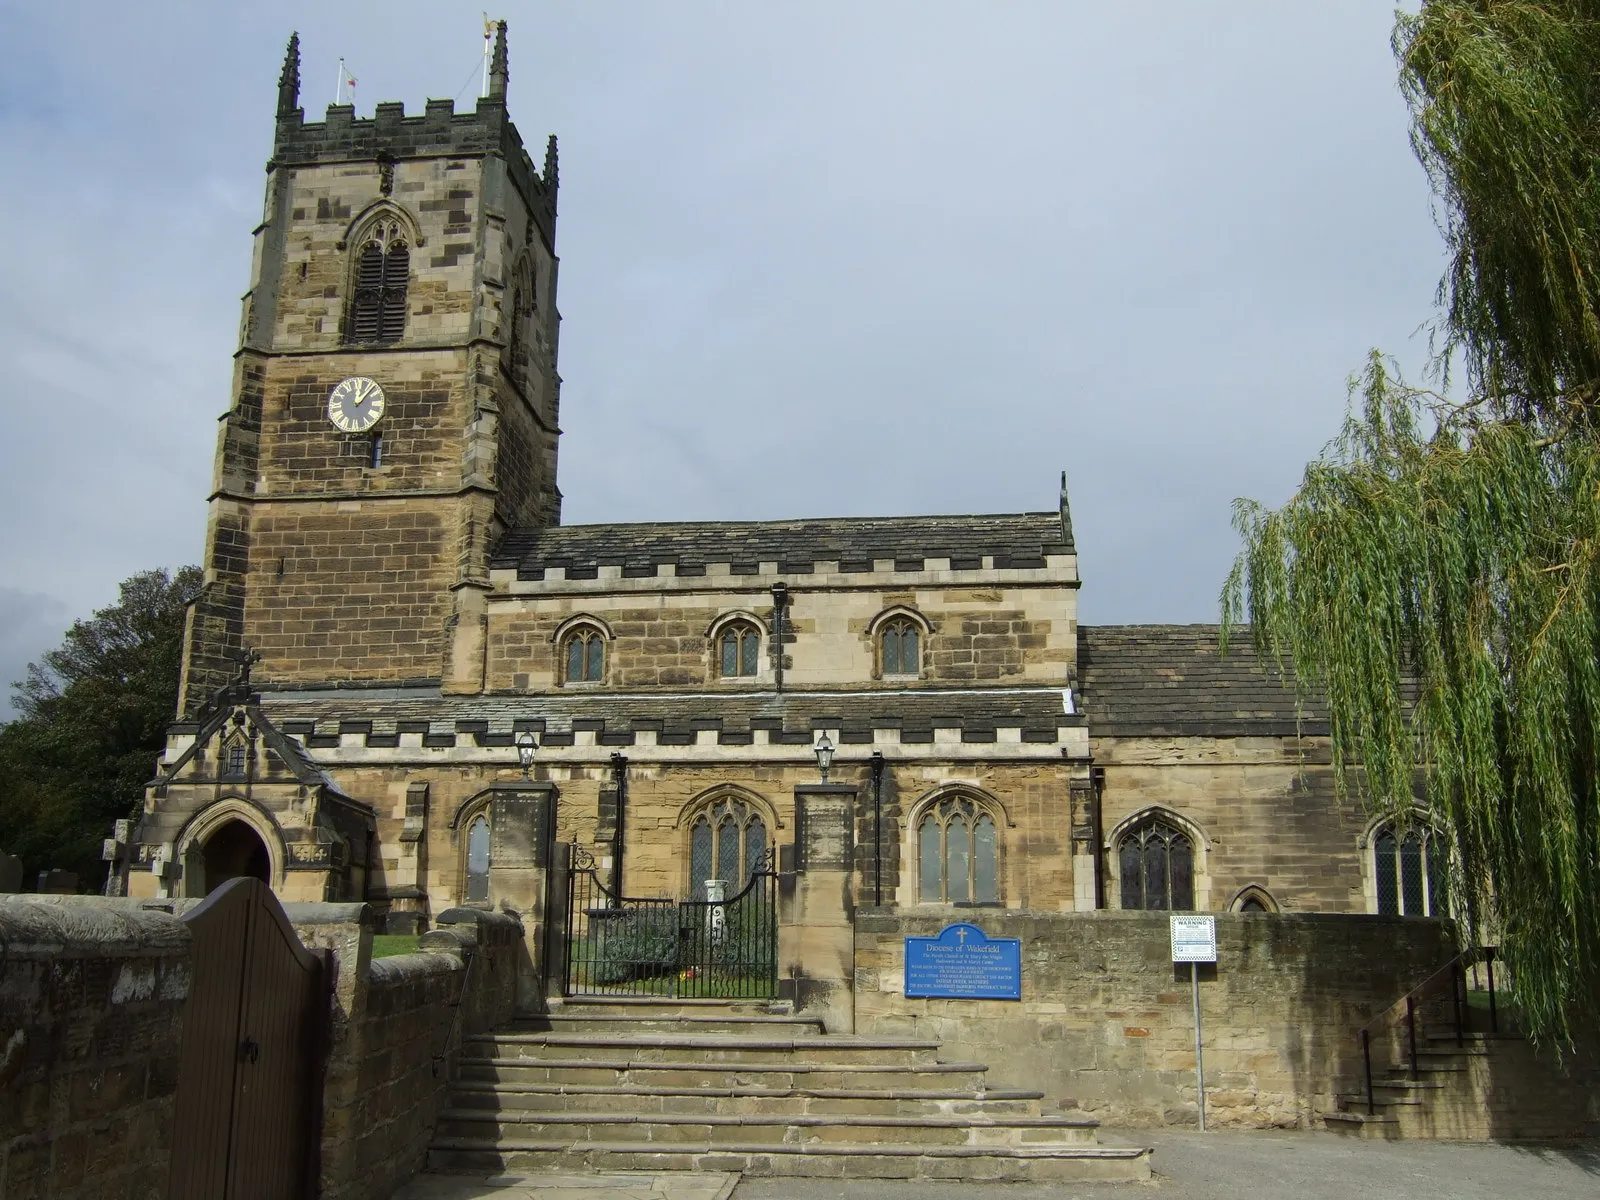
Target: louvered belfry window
(378,306)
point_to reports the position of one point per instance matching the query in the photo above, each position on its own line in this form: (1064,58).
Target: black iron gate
(623,946)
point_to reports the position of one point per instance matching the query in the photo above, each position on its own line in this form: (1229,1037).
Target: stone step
(666,1008)
(1360,1124)
(763,1128)
(630,1022)
(712,1048)
(568,1097)
(1063,1163)
(626,1070)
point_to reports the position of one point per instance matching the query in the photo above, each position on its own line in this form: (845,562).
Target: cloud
(29,624)
(816,258)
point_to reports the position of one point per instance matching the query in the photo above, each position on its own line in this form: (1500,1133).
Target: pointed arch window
(738,650)
(957,853)
(585,655)
(477,890)
(727,841)
(235,759)
(901,642)
(1155,866)
(1409,871)
(382,274)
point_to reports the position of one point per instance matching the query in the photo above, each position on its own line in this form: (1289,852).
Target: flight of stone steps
(1445,1100)
(730,1086)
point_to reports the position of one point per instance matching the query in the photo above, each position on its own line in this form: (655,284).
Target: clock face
(355,404)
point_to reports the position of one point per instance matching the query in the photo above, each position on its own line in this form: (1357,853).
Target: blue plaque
(963,963)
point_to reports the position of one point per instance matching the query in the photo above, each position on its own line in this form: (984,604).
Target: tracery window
(378,299)
(957,853)
(739,650)
(726,841)
(901,647)
(234,757)
(1409,872)
(478,860)
(585,654)
(1156,866)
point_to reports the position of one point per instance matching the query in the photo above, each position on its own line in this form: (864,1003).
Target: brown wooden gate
(250,1069)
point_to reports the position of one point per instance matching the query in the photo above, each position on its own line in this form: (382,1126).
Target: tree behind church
(93,718)
(1452,541)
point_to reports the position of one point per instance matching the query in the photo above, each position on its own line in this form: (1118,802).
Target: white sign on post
(1194,940)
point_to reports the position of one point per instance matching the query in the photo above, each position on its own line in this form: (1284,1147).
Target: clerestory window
(901,641)
(739,650)
(585,653)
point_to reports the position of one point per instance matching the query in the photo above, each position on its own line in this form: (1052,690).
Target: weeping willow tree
(1435,580)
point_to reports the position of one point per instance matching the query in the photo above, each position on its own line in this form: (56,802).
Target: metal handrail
(1455,971)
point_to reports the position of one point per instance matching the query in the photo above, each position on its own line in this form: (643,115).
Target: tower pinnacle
(498,70)
(289,80)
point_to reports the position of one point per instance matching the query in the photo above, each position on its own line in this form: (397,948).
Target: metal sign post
(1194,941)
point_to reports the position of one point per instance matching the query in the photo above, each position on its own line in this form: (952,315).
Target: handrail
(1455,972)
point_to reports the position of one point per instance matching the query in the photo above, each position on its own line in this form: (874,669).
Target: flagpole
(338,85)
(487,34)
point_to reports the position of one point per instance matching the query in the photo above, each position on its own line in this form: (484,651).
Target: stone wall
(398,1025)
(1105,1022)
(91,1015)
(1263,810)
(661,632)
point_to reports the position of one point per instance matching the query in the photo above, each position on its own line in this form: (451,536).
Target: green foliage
(1436,577)
(94,713)
(634,943)
(388,945)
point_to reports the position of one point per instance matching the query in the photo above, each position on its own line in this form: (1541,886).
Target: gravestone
(10,872)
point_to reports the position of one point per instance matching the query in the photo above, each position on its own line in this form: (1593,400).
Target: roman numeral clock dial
(355,404)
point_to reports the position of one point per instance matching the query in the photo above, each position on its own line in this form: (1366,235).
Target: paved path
(1266,1165)
(1188,1166)
(620,1185)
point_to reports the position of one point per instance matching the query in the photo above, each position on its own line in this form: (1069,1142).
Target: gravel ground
(1268,1166)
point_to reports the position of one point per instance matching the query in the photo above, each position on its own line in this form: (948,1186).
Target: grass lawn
(385,945)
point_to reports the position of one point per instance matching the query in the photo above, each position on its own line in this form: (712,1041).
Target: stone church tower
(350,530)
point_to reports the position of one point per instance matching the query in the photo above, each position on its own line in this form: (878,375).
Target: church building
(408,682)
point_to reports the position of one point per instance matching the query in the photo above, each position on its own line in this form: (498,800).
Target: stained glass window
(957,854)
(726,841)
(740,650)
(901,649)
(1408,872)
(1156,867)
(586,656)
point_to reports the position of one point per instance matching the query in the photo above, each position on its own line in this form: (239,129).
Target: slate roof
(789,718)
(1171,681)
(1014,540)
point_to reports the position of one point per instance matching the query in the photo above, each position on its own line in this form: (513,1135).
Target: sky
(832,257)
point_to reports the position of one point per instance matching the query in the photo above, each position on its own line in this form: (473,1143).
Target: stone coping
(34,930)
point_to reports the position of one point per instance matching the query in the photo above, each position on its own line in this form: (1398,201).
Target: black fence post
(1494,1015)
(1366,1062)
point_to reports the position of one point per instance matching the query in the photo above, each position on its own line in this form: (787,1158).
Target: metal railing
(630,946)
(1452,975)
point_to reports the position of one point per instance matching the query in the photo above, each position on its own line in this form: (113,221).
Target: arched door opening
(234,850)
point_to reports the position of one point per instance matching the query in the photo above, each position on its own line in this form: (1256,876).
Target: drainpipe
(1097,786)
(877,827)
(619,782)
(780,600)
